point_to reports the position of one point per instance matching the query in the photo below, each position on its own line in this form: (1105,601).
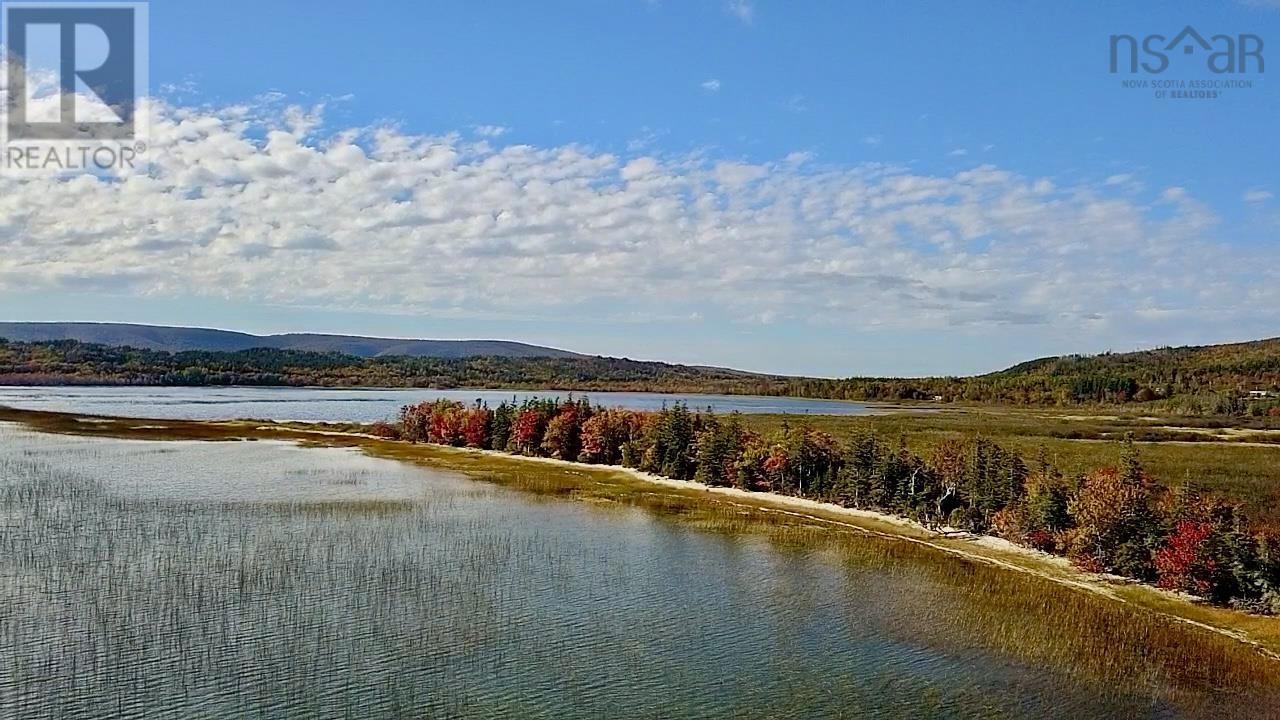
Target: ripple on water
(188,580)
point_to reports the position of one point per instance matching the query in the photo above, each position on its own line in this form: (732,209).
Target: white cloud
(711,86)
(958,152)
(263,204)
(1257,195)
(732,174)
(640,168)
(490,131)
(872,140)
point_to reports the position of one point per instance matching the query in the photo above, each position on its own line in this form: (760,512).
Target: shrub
(385,430)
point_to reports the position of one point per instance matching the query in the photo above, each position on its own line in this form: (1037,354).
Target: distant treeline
(1114,519)
(72,362)
(1211,380)
(1208,380)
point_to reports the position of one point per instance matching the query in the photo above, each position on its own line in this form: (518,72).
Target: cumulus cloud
(261,203)
(491,131)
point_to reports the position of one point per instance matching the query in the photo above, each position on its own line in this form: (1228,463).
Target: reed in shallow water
(1033,618)
(941,600)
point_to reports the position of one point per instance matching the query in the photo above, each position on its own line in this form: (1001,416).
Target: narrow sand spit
(943,540)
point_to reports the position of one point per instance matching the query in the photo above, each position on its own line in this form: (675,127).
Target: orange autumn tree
(563,437)
(1117,527)
(605,433)
(447,420)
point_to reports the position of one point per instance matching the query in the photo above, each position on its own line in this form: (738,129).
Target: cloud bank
(264,203)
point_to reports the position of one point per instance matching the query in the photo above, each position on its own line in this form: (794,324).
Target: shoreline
(906,405)
(1053,568)
(941,540)
(850,408)
(1260,633)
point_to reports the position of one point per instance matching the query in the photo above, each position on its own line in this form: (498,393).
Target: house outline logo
(1188,49)
(1153,54)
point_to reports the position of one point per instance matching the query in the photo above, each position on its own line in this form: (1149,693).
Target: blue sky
(826,188)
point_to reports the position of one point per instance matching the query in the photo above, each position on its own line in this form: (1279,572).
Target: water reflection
(188,580)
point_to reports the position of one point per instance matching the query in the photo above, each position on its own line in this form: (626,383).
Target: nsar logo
(1222,54)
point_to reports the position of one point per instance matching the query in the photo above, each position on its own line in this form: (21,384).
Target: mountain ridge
(1223,379)
(180,339)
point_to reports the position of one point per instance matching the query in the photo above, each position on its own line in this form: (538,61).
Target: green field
(1242,465)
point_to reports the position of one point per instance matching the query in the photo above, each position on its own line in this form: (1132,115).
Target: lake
(261,579)
(360,405)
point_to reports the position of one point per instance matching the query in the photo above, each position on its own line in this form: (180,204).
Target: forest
(1115,519)
(1207,380)
(1231,380)
(65,362)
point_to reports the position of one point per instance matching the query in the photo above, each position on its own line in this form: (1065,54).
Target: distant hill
(1226,379)
(1248,363)
(71,362)
(179,339)
(1230,371)
(1229,379)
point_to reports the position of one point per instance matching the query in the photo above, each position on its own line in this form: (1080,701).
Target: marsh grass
(1119,646)
(112,605)
(1035,619)
(1235,468)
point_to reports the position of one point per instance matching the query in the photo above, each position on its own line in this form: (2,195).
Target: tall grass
(1029,617)
(154,602)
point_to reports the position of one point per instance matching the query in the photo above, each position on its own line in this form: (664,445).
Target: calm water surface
(260,579)
(328,405)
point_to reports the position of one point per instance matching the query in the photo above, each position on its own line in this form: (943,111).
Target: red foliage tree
(596,441)
(414,422)
(776,465)
(526,432)
(563,435)
(447,420)
(604,433)
(475,427)
(1186,561)
(1041,540)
